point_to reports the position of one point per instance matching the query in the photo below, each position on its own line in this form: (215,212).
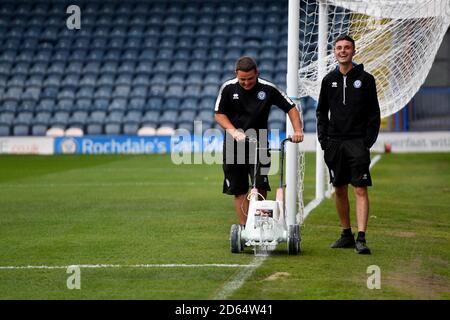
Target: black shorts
(239,170)
(348,161)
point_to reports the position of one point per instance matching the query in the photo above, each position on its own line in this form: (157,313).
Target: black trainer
(344,242)
(361,247)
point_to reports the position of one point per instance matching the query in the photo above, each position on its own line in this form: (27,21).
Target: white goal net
(396,40)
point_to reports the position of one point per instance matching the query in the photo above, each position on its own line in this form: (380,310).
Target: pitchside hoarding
(112,145)
(26,145)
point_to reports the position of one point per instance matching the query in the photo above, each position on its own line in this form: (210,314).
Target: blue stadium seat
(216,65)
(199,53)
(5,129)
(139,91)
(186,116)
(26,106)
(85,92)
(207,103)
(88,80)
(6,117)
(100,104)
(94,123)
(82,104)
(59,119)
(169,116)
(197,66)
(182,54)
(175,91)
(70,80)
(277,125)
(127,67)
(276,114)
(154,103)
(192,91)
(157,90)
(78,119)
(132,117)
(113,123)
(46,105)
(123,79)
(212,78)
(35,80)
(196,78)
(38,129)
(122,90)
(151,118)
(187,125)
(210,90)
(171,103)
(21,130)
(141,79)
(13,93)
(147,67)
(177,78)
(118,104)
(131,55)
(206,116)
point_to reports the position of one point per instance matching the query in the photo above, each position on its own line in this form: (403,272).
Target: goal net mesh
(396,40)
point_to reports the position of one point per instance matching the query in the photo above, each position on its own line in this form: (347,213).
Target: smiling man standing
(348,121)
(242,108)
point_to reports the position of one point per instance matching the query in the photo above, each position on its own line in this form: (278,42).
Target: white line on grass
(374,160)
(100,266)
(100,185)
(243,275)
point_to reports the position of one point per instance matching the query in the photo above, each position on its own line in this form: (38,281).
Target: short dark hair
(345,37)
(246,64)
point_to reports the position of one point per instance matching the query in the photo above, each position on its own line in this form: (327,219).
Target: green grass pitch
(133,210)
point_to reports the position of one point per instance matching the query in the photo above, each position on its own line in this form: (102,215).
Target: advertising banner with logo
(112,145)
(26,145)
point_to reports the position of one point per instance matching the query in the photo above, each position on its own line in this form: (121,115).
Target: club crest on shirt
(334,84)
(357,84)
(261,95)
(235,96)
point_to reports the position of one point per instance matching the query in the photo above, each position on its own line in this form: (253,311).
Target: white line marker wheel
(293,241)
(235,239)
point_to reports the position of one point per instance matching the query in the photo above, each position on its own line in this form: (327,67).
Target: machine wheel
(235,239)
(293,241)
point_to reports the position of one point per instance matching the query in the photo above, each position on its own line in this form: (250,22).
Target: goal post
(396,41)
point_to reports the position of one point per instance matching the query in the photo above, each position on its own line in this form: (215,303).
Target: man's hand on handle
(237,135)
(297,136)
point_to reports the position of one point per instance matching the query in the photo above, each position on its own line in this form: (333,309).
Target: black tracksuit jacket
(352,102)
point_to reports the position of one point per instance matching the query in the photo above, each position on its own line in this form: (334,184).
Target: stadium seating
(132,64)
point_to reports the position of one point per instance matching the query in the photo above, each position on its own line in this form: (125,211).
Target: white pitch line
(100,266)
(375,160)
(239,279)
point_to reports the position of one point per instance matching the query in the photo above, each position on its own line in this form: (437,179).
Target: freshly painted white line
(239,279)
(375,160)
(100,266)
(99,185)
(310,207)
